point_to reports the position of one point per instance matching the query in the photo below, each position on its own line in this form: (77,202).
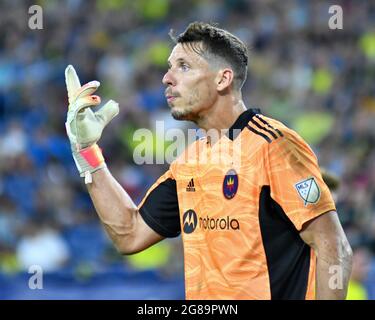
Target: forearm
(115,208)
(333,271)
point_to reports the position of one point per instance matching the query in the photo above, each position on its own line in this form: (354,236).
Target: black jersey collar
(241,122)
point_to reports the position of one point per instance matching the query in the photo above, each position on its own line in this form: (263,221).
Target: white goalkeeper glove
(84,126)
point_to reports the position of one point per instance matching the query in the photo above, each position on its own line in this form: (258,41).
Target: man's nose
(168,79)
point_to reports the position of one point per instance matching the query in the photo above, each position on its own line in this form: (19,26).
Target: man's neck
(221,117)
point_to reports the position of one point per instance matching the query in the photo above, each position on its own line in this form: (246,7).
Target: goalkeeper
(263,228)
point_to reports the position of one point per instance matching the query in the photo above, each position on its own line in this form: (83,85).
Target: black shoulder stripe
(268,125)
(263,128)
(259,133)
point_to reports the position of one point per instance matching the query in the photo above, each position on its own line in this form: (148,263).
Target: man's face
(191,88)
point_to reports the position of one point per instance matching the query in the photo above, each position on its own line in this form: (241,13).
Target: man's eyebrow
(181,60)
(177,60)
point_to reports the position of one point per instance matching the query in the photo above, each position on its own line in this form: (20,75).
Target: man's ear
(224,79)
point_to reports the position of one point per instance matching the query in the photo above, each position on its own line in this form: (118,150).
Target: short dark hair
(218,43)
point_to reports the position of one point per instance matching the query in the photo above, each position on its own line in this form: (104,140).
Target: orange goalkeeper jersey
(239,205)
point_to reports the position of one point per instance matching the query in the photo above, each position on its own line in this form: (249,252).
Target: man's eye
(184,67)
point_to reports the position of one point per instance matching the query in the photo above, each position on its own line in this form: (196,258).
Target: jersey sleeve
(295,179)
(159,207)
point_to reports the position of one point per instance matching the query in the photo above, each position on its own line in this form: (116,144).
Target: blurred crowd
(320,82)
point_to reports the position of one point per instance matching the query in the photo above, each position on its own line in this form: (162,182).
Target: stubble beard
(178,114)
(185,113)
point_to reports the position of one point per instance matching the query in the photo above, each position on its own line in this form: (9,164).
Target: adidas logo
(190,187)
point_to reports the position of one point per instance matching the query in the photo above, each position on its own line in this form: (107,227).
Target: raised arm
(115,208)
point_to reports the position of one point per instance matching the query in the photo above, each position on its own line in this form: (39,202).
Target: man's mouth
(171,98)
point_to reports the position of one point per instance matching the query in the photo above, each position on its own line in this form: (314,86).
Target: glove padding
(84,125)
